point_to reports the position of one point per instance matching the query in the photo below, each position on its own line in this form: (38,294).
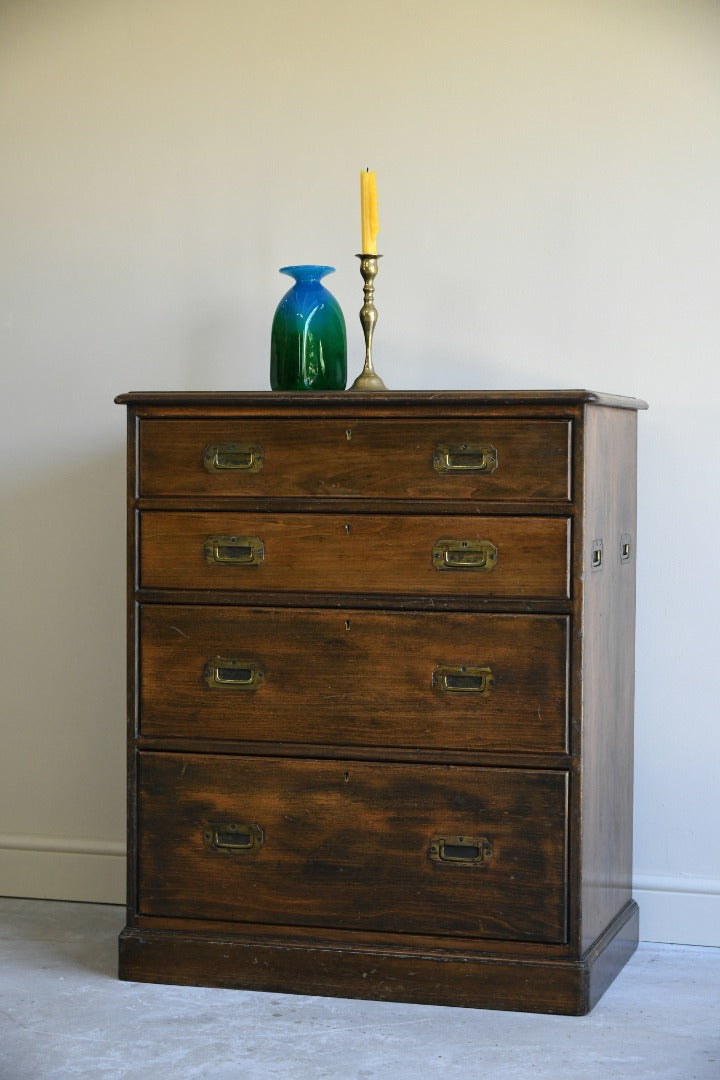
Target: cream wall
(548,178)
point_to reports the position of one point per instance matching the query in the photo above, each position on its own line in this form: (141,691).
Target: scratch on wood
(179,631)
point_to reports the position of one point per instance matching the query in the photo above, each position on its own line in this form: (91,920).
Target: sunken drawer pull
(463,679)
(233,674)
(233,838)
(234,550)
(465,459)
(460,850)
(233,457)
(464,555)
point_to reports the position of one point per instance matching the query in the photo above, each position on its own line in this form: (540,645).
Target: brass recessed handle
(462,458)
(596,557)
(233,674)
(464,555)
(460,850)
(233,457)
(234,550)
(233,838)
(463,679)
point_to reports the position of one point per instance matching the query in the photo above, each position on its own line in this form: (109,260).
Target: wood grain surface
(355,677)
(365,553)
(357,457)
(346,845)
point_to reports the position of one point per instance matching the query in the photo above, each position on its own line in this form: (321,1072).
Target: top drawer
(389,459)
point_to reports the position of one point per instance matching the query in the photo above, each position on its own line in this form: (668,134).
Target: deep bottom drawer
(371,846)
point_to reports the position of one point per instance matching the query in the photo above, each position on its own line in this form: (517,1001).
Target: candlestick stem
(368,379)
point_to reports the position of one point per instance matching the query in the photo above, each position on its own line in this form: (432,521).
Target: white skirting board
(678,910)
(61,868)
(675,910)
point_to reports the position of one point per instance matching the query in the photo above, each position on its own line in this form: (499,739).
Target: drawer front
(400,848)
(395,459)
(348,678)
(524,557)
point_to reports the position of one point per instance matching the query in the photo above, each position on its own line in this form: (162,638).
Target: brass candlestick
(368,379)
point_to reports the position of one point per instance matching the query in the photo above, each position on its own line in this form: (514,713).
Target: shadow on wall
(63,643)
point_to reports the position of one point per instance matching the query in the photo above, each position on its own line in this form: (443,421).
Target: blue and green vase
(308,346)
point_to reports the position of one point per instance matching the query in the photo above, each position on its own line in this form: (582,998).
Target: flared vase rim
(307,271)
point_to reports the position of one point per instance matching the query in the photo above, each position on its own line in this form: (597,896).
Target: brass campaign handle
(233,838)
(233,674)
(463,679)
(460,850)
(234,550)
(462,458)
(233,457)
(464,555)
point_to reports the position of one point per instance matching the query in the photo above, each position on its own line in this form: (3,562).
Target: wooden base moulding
(422,976)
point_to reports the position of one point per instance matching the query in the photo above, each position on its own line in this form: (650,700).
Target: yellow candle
(369,212)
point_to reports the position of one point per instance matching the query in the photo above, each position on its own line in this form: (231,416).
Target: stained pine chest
(381,694)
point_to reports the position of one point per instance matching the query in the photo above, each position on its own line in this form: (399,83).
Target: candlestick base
(368,379)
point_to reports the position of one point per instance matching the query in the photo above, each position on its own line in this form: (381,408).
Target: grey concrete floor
(63,1013)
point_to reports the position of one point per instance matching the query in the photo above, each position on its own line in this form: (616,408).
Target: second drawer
(355,677)
(431,555)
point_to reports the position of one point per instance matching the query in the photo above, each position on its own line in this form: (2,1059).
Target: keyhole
(347,530)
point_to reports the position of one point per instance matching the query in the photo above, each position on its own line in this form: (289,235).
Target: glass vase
(308,348)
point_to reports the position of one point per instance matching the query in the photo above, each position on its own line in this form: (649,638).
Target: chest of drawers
(380,694)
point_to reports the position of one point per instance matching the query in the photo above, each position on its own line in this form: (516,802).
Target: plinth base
(303,962)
